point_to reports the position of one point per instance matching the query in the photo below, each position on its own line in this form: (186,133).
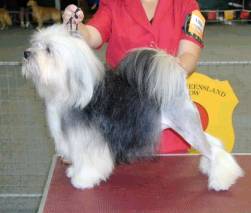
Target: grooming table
(170,183)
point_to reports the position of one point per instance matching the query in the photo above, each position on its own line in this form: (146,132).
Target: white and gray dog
(99,118)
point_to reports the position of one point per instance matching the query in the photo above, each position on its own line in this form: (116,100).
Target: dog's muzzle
(27,54)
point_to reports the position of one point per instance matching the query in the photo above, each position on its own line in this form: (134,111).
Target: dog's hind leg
(184,119)
(218,164)
(92,160)
(222,169)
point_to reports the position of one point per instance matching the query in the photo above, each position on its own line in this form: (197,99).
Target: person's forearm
(90,35)
(189,62)
(188,55)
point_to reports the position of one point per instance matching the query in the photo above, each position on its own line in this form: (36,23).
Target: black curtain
(217,4)
(13,4)
(2,3)
(46,3)
(65,3)
(247,4)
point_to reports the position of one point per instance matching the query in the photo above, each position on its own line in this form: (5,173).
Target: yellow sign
(229,15)
(219,101)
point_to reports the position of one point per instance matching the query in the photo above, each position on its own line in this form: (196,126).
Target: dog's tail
(155,74)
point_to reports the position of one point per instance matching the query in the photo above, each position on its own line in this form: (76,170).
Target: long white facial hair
(63,67)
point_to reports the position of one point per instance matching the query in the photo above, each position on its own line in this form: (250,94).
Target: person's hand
(72,11)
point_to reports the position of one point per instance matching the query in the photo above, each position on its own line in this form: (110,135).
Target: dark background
(204,4)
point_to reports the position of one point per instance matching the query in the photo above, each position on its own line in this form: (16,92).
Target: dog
(5,19)
(43,14)
(100,117)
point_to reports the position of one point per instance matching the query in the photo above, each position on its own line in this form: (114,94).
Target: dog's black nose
(27,54)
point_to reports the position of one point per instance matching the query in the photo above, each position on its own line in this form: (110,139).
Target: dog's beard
(30,69)
(47,75)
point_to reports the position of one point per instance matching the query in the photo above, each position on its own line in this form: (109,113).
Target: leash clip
(71,19)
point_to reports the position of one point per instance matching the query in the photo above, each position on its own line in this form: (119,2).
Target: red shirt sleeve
(187,8)
(102,20)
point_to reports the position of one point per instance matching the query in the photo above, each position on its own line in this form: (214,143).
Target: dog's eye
(48,50)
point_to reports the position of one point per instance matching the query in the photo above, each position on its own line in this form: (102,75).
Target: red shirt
(124,25)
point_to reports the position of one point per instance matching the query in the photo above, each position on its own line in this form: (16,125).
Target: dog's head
(62,66)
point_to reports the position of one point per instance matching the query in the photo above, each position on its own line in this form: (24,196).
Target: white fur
(66,76)
(63,67)
(222,169)
(205,164)
(91,159)
(167,79)
(220,166)
(53,117)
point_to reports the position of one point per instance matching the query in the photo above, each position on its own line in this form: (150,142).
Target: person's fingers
(71,8)
(79,16)
(70,11)
(66,16)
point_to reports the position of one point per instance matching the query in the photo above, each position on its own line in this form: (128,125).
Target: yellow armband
(194,25)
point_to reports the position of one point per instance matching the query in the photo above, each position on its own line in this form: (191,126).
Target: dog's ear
(84,71)
(81,87)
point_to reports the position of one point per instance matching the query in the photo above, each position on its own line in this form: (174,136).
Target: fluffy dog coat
(99,117)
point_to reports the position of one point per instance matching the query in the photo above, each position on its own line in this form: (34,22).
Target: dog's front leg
(54,122)
(92,160)
(219,165)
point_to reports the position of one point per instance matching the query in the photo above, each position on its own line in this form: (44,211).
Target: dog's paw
(224,170)
(204,165)
(87,178)
(70,171)
(84,182)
